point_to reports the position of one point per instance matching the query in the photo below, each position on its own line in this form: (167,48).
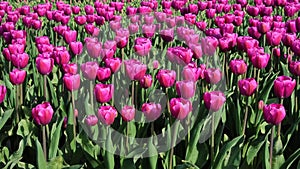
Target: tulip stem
(212,150)
(271,146)
(132,93)
(44,142)
(17,104)
(279,125)
(91,95)
(246,116)
(127,135)
(74,117)
(176,125)
(45,88)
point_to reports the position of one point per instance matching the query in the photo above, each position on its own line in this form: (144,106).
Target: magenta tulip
(146,81)
(284,86)
(238,66)
(44,64)
(247,86)
(274,113)
(89,70)
(135,70)
(42,113)
(2,93)
(294,68)
(180,108)
(128,113)
(103,74)
(70,68)
(103,92)
(17,76)
(152,111)
(107,114)
(72,82)
(166,78)
(113,63)
(214,100)
(212,76)
(91,120)
(185,89)
(142,46)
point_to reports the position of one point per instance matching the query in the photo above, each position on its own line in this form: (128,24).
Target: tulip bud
(2,93)
(274,113)
(180,108)
(152,111)
(128,113)
(91,120)
(247,86)
(238,66)
(146,81)
(107,114)
(17,76)
(214,100)
(284,86)
(261,105)
(103,92)
(72,82)
(42,113)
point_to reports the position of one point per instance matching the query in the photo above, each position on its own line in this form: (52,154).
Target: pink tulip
(91,120)
(212,76)
(247,86)
(185,89)
(113,63)
(128,113)
(72,82)
(152,111)
(238,66)
(284,86)
(103,74)
(274,113)
(42,113)
(44,65)
(70,68)
(104,92)
(135,70)
(146,81)
(107,114)
(180,108)
(142,46)
(214,100)
(166,78)
(17,76)
(2,93)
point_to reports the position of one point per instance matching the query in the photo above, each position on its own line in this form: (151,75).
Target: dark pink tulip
(89,10)
(44,65)
(142,46)
(178,4)
(253,32)
(284,86)
(36,24)
(180,55)
(76,47)
(89,70)
(44,48)
(219,21)
(18,34)
(20,60)
(94,48)
(121,41)
(263,27)
(193,8)
(60,29)
(202,5)
(274,113)
(209,45)
(70,36)
(25,10)
(131,11)
(113,63)
(247,86)
(260,60)
(294,67)
(290,10)
(214,100)
(61,55)
(152,111)
(80,20)
(17,76)
(103,92)
(99,20)
(229,18)
(190,18)
(185,89)
(148,19)
(143,10)
(91,120)
(107,114)
(146,81)
(296,47)
(166,78)
(65,20)
(180,108)
(225,44)
(68,10)
(128,113)
(42,40)
(160,17)
(166,4)
(57,15)
(6,54)
(276,52)
(148,30)
(265,10)
(252,10)
(133,28)
(210,13)
(89,28)
(2,93)
(212,76)
(245,43)
(72,82)
(135,70)
(273,38)
(238,66)
(42,113)
(196,49)
(103,74)
(192,73)
(201,25)
(70,68)
(135,19)
(16,48)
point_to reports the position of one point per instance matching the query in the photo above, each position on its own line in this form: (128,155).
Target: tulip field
(155,84)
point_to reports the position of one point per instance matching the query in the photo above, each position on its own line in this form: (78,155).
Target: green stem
(212,150)
(279,126)
(17,104)
(173,143)
(45,88)
(246,116)
(271,147)
(74,117)
(44,142)
(132,93)
(91,95)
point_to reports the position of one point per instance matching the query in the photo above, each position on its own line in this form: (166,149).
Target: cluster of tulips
(78,51)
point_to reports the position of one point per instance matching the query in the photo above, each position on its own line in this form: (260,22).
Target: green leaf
(109,157)
(254,147)
(55,163)
(5,117)
(128,163)
(24,128)
(41,161)
(55,141)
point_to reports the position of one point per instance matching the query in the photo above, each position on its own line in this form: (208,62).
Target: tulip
(103,74)
(238,66)
(274,113)
(128,113)
(276,52)
(93,49)
(288,39)
(284,86)
(6,54)
(253,32)
(80,20)
(76,47)
(201,25)
(142,46)
(131,10)
(214,100)
(103,92)
(180,108)
(225,44)
(91,120)
(146,81)
(260,60)
(121,41)
(180,55)
(212,76)
(296,47)
(148,30)
(44,65)
(247,86)
(20,60)
(17,76)
(2,93)
(294,68)
(42,113)
(70,36)
(72,82)
(273,38)
(167,35)
(166,78)
(75,9)
(113,63)
(192,73)
(89,9)
(263,27)
(16,48)
(99,20)
(152,111)
(61,55)
(185,89)
(107,114)
(89,70)
(135,70)
(70,68)
(209,45)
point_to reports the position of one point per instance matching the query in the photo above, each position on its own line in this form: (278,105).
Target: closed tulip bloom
(185,89)
(61,56)
(276,52)
(290,10)
(214,100)
(70,36)
(17,76)
(148,30)
(238,66)
(212,76)
(294,68)
(209,45)
(20,60)
(70,68)
(103,92)
(260,60)
(166,78)
(76,47)
(253,32)
(180,108)
(128,113)
(94,49)
(113,63)
(225,44)
(146,81)
(89,70)
(133,28)
(107,114)
(273,38)
(135,70)
(142,46)
(75,9)
(180,55)
(42,113)
(201,25)
(167,34)
(16,48)
(89,9)
(44,65)
(121,41)
(263,27)
(152,111)
(274,113)
(103,74)
(191,72)
(252,10)
(80,20)
(210,13)
(247,86)
(296,47)
(2,93)
(91,120)
(288,39)
(72,82)
(284,86)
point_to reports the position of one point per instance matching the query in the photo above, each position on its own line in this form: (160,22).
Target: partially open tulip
(148,30)
(113,63)
(103,92)
(284,86)
(166,78)
(191,72)
(180,108)
(70,36)
(142,46)
(2,93)
(42,113)
(20,60)
(76,47)
(273,38)
(247,86)
(152,111)
(238,66)
(214,100)
(70,68)
(274,113)
(61,55)
(44,64)
(185,89)
(103,74)
(107,114)
(17,76)
(91,120)
(72,82)
(294,68)
(212,76)
(135,70)
(128,113)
